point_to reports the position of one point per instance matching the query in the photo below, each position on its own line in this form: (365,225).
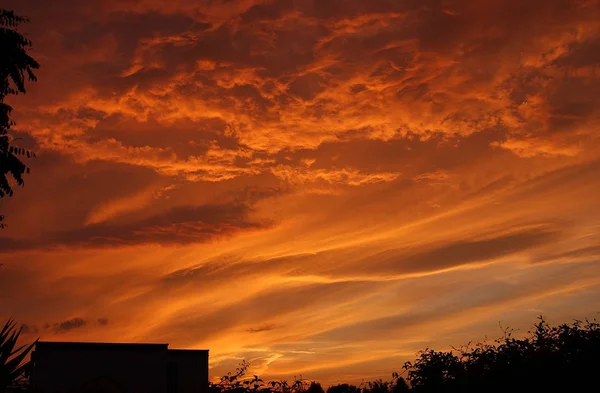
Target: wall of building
(192,369)
(133,369)
(60,367)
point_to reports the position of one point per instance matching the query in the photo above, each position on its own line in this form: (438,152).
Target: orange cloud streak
(319,187)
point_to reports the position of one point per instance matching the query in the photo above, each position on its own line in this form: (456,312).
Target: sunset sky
(321,187)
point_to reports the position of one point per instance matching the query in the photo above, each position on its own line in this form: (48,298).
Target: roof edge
(73,345)
(183,351)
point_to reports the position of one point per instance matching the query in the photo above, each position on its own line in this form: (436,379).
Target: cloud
(177,226)
(346,176)
(362,264)
(354,70)
(571,256)
(276,303)
(67,325)
(9,244)
(323,186)
(262,328)
(433,177)
(533,148)
(125,205)
(25,329)
(462,252)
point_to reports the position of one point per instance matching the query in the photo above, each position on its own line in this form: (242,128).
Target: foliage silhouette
(315,387)
(15,67)
(550,358)
(343,388)
(564,357)
(12,365)
(238,383)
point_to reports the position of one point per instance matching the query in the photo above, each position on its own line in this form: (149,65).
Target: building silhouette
(77,367)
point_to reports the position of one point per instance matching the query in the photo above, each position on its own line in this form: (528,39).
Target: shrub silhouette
(12,358)
(343,388)
(564,357)
(238,382)
(315,387)
(560,358)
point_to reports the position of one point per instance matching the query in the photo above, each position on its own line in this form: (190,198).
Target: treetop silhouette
(16,67)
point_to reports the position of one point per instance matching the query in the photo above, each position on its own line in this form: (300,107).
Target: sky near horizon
(321,187)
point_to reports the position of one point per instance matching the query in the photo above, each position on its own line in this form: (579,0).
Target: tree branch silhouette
(16,67)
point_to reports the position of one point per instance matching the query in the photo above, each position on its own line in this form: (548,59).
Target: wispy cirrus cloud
(321,187)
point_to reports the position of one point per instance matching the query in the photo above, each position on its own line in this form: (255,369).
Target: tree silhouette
(343,388)
(560,358)
(15,67)
(12,365)
(315,387)
(238,382)
(550,358)
(399,385)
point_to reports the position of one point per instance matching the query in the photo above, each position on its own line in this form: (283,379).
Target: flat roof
(79,346)
(187,351)
(75,346)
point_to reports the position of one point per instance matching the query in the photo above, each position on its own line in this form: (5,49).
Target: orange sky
(322,187)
